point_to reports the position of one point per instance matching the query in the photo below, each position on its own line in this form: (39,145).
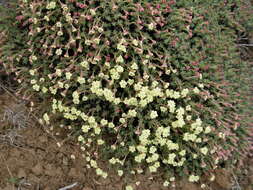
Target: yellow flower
(99,171)
(51,5)
(68,75)
(208,129)
(85,128)
(184,92)
(104,175)
(59,33)
(152,149)
(123,84)
(120,172)
(104,122)
(212,178)
(182,153)
(33,81)
(153,114)
(196,90)
(201,86)
(96,40)
(111,125)
(120,59)
(58,52)
(46,118)
(188,108)
(58,24)
(151,26)
(81,80)
(121,47)
(44,89)
(36,87)
(132,113)
(34,58)
(93,12)
(166,184)
(112,161)
(129,187)
(193,178)
(100,141)
(119,69)
(97,130)
(32,72)
(131,148)
(80,138)
(135,42)
(134,66)
(152,169)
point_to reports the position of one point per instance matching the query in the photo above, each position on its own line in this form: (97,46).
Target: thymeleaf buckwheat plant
(145,83)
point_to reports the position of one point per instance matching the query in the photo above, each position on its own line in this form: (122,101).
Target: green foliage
(149,85)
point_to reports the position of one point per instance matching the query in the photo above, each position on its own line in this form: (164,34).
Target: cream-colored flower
(58,52)
(120,59)
(153,114)
(135,42)
(51,5)
(204,150)
(203,186)
(93,12)
(151,26)
(212,178)
(129,187)
(196,90)
(120,172)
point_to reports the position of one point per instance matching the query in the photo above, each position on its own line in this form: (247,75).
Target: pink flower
(81,5)
(88,17)
(107,58)
(20,17)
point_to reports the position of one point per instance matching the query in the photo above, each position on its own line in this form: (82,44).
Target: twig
(9,171)
(8,92)
(246,45)
(28,111)
(68,187)
(237,187)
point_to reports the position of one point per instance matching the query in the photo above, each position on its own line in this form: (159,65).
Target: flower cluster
(136,80)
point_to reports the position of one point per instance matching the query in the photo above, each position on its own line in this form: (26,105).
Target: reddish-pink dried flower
(88,17)
(81,5)
(20,17)
(107,58)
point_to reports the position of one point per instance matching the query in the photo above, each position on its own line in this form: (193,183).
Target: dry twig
(69,186)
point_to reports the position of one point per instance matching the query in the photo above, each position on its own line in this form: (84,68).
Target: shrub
(149,85)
